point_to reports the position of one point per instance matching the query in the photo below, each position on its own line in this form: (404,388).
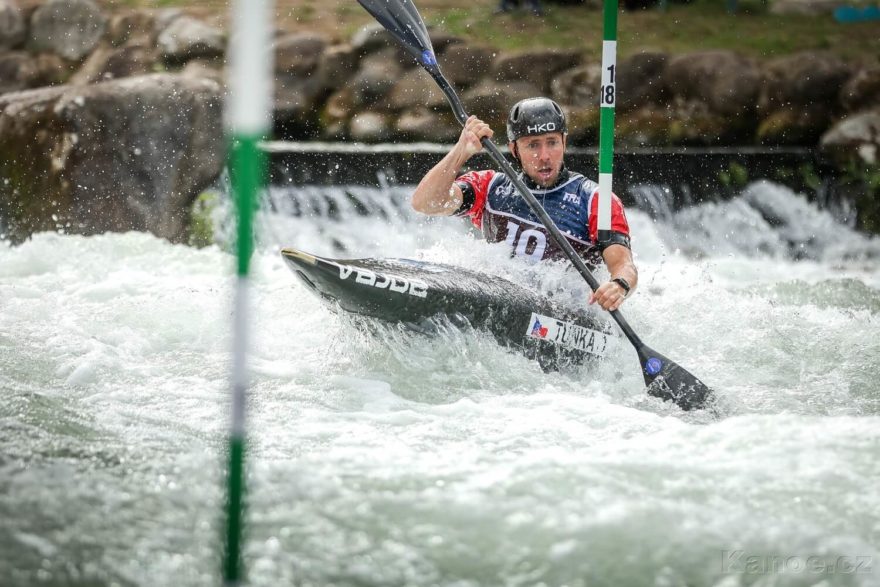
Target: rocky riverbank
(117,114)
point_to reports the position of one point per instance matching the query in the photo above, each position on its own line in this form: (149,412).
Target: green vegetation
(736,176)
(863,181)
(695,26)
(201,227)
(701,25)
(809,176)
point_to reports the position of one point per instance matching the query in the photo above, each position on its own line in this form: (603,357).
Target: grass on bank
(681,28)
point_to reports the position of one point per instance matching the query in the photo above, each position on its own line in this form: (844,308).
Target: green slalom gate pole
(607,98)
(248,111)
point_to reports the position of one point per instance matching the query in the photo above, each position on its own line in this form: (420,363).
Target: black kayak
(417,294)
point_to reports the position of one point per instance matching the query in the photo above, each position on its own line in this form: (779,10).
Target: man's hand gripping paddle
(664,378)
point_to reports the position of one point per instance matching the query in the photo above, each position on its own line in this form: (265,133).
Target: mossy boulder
(122,155)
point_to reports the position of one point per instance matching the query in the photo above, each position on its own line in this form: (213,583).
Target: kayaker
(536,133)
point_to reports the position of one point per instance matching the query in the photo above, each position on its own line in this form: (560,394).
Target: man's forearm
(620,264)
(436,194)
(610,295)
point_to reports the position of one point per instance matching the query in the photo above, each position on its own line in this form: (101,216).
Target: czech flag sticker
(539,330)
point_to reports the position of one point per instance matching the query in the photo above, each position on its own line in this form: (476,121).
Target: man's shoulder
(580,183)
(587,184)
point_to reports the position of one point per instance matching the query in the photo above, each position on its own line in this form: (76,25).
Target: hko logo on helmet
(539,129)
(534,116)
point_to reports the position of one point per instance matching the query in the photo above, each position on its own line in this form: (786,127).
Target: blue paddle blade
(403,21)
(670,382)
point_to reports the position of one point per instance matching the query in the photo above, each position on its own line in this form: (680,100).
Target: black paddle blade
(670,382)
(403,21)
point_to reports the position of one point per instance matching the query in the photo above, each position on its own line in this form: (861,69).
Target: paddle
(665,379)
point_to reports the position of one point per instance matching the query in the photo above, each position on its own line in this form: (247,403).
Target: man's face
(541,157)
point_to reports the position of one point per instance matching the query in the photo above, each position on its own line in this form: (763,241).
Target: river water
(398,459)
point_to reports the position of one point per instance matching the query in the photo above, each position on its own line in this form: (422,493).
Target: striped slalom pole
(248,111)
(607,98)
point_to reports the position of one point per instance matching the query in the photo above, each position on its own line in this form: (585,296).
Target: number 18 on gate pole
(607,95)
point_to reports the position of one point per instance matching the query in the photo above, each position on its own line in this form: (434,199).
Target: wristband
(624,284)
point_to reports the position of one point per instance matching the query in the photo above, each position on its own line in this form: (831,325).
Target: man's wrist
(462,152)
(624,285)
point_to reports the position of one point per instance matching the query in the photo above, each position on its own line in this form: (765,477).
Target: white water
(406,460)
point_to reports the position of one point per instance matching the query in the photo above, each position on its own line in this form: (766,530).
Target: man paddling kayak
(537,133)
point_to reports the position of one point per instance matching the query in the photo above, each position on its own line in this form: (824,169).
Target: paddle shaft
(536,207)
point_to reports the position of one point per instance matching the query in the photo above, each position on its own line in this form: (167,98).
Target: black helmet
(534,116)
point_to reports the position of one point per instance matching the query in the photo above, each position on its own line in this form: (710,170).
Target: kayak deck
(413,293)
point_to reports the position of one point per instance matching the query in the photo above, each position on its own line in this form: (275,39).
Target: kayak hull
(415,293)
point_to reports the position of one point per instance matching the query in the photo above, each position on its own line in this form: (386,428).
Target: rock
(188,38)
(336,113)
(416,89)
(299,54)
(163,19)
(862,90)
(370,127)
(799,97)
(726,82)
(442,41)
(206,69)
(93,67)
(67,28)
(681,122)
(18,71)
(52,70)
(491,101)
(578,87)
(335,131)
(135,27)
(853,144)
(464,65)
(377,75)
(12,29)
(640,80)
(22,71)
(296,106)
(108,62)
(646,126)
(535,67)
(130,154)
(583,125)
(421,124)
(298,88)
(805,78)
(855,138)
(336,66)
(794,125)
(373,38)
